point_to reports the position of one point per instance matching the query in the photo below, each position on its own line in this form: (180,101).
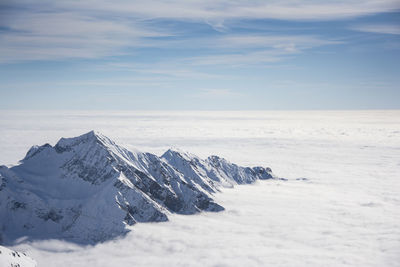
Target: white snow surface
(11,258)
(346,212)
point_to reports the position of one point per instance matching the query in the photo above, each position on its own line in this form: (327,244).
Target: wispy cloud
(217,93)
(238,50)
(238,59)
(38,35)
(94,29)
(273,41)
(160,69)
(378,28)
(224,9)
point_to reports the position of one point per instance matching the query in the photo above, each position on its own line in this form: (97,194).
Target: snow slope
(87,189)
(11,258)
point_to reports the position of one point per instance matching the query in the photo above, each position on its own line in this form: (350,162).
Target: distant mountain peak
(178,152)
(87,188)
(87,138)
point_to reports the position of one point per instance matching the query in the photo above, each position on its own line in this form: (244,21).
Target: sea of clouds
(346,212)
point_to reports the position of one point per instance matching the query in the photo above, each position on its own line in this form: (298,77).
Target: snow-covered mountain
(87,189)
(11,258)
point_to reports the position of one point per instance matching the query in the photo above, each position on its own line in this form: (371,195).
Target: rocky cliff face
(87,189)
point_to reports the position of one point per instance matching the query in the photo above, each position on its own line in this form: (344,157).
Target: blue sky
(200,54)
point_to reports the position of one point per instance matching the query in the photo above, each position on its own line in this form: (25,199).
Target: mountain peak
(173,152)
(89,138)
(65,144)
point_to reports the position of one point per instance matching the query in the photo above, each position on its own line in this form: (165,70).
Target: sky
(199,55)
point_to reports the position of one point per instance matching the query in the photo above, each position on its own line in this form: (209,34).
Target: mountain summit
(87,189)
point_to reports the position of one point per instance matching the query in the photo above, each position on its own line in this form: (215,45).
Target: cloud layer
(346,214)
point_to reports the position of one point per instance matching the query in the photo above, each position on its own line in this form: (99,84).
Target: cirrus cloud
(52,30)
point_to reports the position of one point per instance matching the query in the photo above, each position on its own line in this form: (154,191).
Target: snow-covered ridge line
(87,189)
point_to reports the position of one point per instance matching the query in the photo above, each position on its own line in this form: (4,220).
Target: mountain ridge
(87,189)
